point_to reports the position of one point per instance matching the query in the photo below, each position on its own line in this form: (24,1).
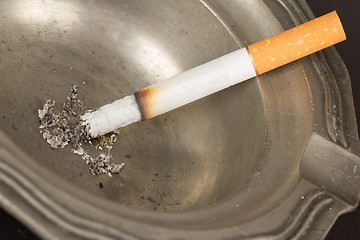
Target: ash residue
(66,128)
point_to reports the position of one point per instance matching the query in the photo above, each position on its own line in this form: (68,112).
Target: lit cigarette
(217,74)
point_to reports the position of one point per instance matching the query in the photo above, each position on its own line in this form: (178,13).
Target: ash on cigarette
(66,129)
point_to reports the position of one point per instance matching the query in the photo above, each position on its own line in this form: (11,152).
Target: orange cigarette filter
(296,43)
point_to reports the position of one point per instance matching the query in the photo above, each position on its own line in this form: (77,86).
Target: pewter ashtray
(275,157)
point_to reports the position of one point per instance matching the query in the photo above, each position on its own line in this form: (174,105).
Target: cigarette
(218,74)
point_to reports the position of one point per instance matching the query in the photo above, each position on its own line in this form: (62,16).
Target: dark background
(347,226)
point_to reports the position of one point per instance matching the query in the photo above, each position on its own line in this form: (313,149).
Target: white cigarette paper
(172,93)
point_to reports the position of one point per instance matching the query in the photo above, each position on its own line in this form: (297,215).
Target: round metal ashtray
(274,157)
